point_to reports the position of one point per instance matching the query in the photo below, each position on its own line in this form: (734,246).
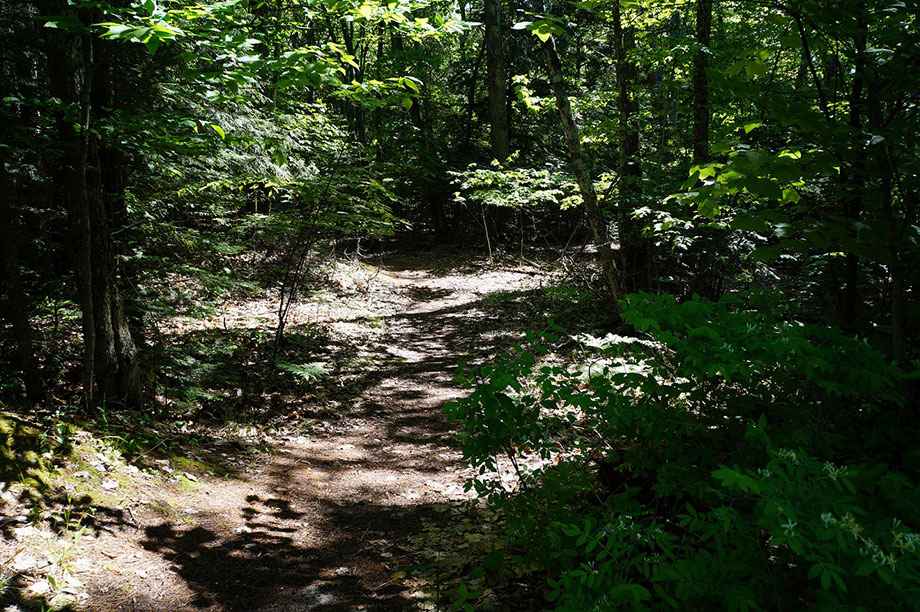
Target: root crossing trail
(321,521)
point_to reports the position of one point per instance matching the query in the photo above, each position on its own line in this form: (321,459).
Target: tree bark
(66,82)
(635,256)
(885,169)
(495,61)
(853,168)
(581,169)
(471,100)
(118,374)
(701,111)
(91,184)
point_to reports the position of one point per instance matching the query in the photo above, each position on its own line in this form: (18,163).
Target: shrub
(725,458)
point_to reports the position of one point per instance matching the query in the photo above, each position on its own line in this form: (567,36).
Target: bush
(724,459)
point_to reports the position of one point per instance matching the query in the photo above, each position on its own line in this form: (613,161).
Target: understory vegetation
(668,250)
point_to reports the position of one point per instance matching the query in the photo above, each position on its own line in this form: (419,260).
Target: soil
(321,519)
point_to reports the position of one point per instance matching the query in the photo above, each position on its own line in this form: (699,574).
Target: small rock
(109,484)
(24,532)
(73,583)
(81,474)
(38,588)
(24,563)
(191,477)
(62,601)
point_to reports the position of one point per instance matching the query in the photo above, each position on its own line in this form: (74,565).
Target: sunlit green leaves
(151,32)
(544,28)
(219,130)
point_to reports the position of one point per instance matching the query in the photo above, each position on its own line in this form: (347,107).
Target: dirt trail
(318,523)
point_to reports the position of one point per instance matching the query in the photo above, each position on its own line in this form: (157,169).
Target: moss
(22,458)
(197,465)
(186,486)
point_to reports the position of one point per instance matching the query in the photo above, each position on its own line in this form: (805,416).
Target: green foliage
(729,459)
(515,187)
(305,372)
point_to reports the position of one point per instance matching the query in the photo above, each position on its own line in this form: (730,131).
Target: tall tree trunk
(356,112)
(118,374)
(91,183)
(495,61)
(66,82)
(427,152)
(885,167)
(471,100)
(635,269)
(701,112)
(853,168)
(581,169)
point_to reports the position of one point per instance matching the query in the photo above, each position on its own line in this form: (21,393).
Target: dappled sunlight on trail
(319,522)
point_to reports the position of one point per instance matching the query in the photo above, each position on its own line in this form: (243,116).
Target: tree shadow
(270,567)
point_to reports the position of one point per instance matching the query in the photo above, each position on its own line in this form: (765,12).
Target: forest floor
(332,504)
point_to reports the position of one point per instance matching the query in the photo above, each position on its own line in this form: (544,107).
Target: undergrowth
(724,457)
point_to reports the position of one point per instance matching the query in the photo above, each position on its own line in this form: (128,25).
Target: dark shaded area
(263,567)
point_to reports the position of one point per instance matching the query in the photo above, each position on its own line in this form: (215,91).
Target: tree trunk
(471,101)
(885,167)
(701,82)
(91,184)
(635,269)
(495,61)
(118,374)
(66,80)
(580,168)
(853,169)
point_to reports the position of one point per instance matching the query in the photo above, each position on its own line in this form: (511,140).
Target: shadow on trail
(326,537)
(263,568)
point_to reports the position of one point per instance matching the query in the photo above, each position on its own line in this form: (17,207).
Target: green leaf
(68,23)
(152,43)
(219,130)
(790,196)
(543,35)
(734,479)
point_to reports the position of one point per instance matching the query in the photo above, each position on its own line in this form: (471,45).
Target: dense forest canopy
(715,404)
